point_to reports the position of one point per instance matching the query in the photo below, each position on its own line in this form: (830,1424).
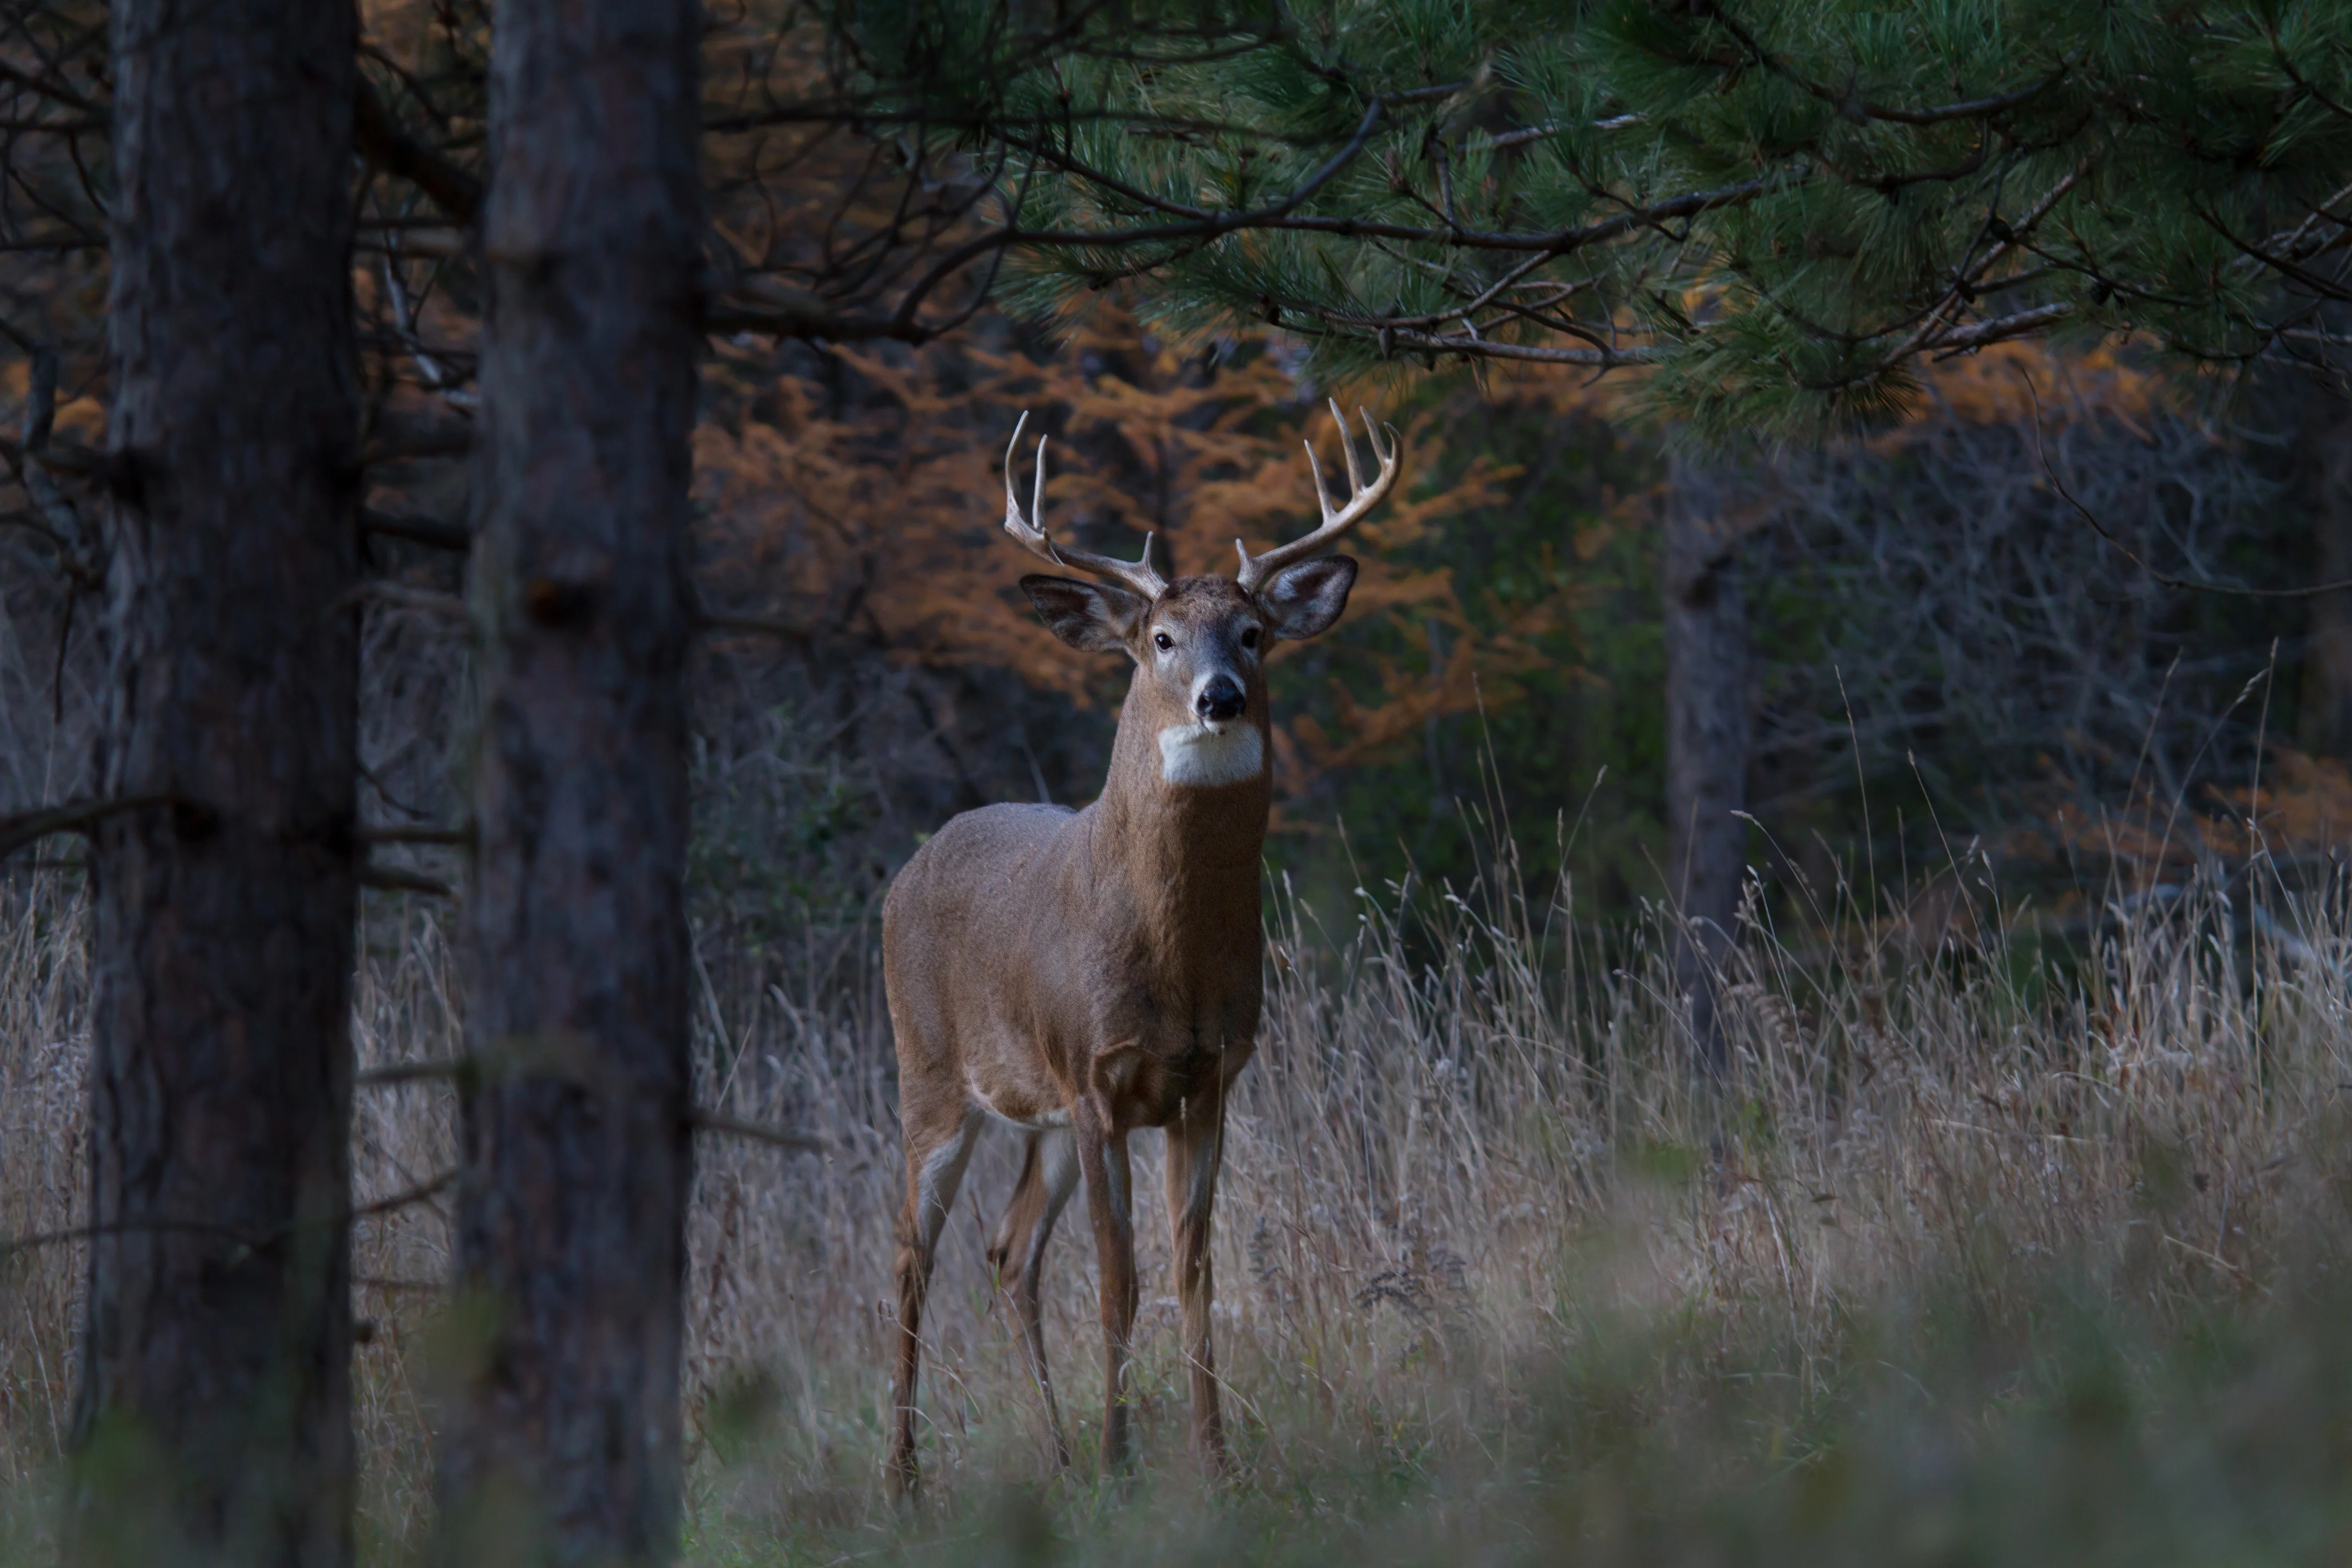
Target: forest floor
(1981,1255)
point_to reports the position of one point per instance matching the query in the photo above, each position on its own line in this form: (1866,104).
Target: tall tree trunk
(1707,739)
(2325,475)
(564,1446)
(212,1418)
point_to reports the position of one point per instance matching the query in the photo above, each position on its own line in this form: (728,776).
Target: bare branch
(379,140)
(2192,585)
(2023,324)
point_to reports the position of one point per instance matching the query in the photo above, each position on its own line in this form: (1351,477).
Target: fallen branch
(453,838)
(775,310)
(11,1246)
(245,1244)
(399,596)
(423,1193)
(30,826)
(703,1120)
(387,879)
(427,531)
(781,630)
(457,1069)
(396,439)
(449,1068)
(65,456)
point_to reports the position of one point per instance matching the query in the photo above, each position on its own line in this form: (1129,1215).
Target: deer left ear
(1305,601)
(1093,618)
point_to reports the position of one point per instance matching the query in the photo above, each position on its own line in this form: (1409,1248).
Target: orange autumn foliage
(881,523)
(2301,810)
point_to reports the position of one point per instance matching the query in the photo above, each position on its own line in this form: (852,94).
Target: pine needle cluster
(1780,211)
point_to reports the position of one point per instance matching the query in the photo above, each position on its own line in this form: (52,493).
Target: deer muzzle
(1219,698)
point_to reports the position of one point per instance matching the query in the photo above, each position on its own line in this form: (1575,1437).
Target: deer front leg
(1102,1155)
(1195,1149)
(937,1148)
(1049,1174)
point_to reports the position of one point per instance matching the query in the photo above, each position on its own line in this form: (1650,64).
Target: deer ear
(1093,618)
(1305,600)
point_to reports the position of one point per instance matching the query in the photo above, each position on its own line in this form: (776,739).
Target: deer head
(1200,644)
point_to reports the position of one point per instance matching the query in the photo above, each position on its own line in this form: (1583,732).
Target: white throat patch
(1197,756)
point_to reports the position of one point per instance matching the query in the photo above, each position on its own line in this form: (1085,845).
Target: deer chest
(1173,1053)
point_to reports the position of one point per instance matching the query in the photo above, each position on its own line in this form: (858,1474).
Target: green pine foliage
(1780,210)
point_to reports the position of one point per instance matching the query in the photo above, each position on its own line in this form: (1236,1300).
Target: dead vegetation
(1468,1154)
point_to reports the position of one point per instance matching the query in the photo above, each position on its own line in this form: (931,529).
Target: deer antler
(1257,569)
(1136,575)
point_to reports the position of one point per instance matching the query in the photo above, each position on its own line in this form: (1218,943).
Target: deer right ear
(1093,618)
(1306,600)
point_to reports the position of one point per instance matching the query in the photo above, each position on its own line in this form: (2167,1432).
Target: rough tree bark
(2325,476)
(213,1414)
(563,1444)
(1707,733)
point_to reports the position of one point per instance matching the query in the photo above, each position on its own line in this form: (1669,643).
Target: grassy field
(1982,1256)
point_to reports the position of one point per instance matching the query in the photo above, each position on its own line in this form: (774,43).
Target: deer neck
(1188,853)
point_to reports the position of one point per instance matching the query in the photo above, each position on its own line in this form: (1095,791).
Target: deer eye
(1164,641)
(1249,636)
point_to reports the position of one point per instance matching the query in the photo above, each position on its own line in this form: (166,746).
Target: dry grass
(1481,1248)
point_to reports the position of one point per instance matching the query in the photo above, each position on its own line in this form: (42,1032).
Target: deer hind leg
(1102,1155)
(937,1150)
(1195,1149)
(1049,1174)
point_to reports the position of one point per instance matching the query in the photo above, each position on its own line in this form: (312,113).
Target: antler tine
(1031,535)
(1348,442)
(1362,498)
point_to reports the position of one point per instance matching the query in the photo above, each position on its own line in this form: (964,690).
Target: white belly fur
(1197,756)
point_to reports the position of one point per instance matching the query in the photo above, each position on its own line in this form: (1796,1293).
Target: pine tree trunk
(564,1445)
(212,1419)
(1706,742)
(2325,464)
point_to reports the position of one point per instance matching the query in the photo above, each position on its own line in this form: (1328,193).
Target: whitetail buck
(1080,974)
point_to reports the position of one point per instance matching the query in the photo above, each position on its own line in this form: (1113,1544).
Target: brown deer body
(1081,974)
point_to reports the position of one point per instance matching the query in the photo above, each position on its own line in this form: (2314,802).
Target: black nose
(1221,699)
